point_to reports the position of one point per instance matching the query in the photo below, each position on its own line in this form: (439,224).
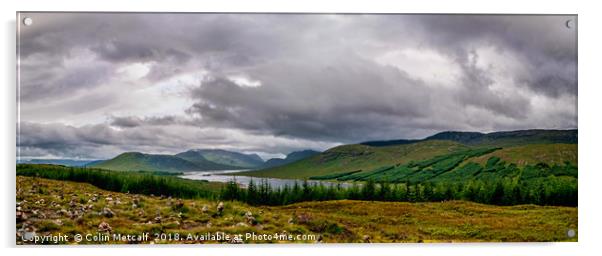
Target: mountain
(292,157)
(516,147)
(357,157)
(505,138)
(135,161)
(513,138)
(65,162)
(233,160)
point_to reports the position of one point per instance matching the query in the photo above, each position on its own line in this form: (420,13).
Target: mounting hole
(571,233)
(569,23)
(27,21)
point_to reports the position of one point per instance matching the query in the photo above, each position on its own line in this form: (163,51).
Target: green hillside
(358,157)
(523,147)
(470,165)
(535,153)
(135,161)
(233,160)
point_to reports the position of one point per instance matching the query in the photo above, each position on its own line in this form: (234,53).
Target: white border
(589,121)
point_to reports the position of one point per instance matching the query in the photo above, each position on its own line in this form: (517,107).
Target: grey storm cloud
(290,81)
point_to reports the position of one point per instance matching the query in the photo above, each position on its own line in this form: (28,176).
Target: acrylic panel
(196,128)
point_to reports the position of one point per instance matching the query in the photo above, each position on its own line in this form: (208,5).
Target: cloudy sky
(95,85)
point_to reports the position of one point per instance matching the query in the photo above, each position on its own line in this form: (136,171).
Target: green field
(51,206)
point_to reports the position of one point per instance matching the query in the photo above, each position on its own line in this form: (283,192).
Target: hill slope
(481,164)
(135,161)
(358,157)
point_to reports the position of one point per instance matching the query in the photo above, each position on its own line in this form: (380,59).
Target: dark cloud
(284,82)
(133,121)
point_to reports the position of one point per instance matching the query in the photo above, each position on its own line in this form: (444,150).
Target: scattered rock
(241,224)
(208,225)
(21,216)
(158,219)
(250,219)
(107,212)
(104,227)
(220,208)
(65,212)
(205,209)
(366,239)
(303,218)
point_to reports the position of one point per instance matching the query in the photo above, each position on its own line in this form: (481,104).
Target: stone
(220,207)
(366,239)
(303,218)
(104,227)
(107,212)
(205,209)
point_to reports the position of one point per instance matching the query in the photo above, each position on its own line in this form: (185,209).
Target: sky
(94,85)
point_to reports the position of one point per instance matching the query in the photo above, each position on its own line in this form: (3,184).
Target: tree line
(561,191)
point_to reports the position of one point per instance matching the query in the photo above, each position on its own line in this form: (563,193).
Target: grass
(49,204)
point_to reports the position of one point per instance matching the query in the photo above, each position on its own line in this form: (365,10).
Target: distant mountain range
(65,162)
(195,160)
(223,157)
(521,137)
(292,157)
(306,163)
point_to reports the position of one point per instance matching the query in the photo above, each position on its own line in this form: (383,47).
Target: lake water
(244,181)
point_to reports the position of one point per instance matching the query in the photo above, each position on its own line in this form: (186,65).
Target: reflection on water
(245,180)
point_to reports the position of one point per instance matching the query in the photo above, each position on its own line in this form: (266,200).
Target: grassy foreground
(52,207)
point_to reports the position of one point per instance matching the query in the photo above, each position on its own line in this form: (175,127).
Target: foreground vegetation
(51,207)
